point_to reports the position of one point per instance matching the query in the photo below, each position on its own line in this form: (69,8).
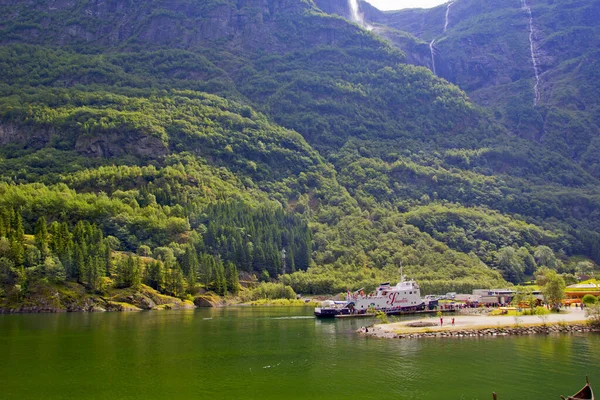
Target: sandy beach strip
(474,322)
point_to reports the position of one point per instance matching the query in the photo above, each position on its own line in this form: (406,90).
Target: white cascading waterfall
(432,50)
(356,15)
(432,43)
(534,59)
(447,14)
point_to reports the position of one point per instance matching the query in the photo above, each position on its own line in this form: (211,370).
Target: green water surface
(274,353)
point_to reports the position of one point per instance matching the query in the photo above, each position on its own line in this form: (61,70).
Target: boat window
(383,293)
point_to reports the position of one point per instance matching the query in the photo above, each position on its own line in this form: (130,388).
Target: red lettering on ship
(392,299)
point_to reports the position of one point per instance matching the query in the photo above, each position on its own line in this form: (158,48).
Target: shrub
(268,290)
(589,299)
(382,317)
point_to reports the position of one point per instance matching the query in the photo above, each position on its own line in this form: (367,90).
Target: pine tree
(17,240)
(78,266)
(189,261)
(233,280)
(155,278)
(41,236)
(136,276)
(93,272)
(207,269)
(221,282)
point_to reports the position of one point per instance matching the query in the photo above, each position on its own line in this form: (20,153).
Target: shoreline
(96,305)
(484,326)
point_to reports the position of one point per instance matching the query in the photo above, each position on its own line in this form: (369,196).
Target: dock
(366,315)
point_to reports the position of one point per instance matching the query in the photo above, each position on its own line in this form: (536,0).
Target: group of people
(442,321)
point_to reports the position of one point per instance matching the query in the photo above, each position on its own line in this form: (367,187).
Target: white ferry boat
(404,297)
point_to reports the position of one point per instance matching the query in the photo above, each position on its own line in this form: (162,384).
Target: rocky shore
(44,299)
(378,332)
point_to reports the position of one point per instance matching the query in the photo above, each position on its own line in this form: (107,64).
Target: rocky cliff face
(112,145)
(247,25)
(116,145)
(28,138)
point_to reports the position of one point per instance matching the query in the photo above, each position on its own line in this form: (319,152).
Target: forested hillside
(207,137)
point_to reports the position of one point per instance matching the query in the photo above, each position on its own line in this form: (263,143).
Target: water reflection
(265,353)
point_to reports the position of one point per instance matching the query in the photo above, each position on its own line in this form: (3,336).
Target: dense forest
(173,146)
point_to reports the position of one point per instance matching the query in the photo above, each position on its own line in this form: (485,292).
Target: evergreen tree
(189,261)
(41,236)
(17,239)
(129,272)
(136,276)
(94,272)
(155,276)
(220,283)
(233,280)
(207,269)
(77,269)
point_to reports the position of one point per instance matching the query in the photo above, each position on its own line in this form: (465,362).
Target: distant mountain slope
(484,47)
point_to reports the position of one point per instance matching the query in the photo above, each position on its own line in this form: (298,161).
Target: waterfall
(356,15)
(432,50)
(534,60)
(354,11)
(432,43)
(447,14)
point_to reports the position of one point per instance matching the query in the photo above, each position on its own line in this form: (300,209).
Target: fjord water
(273,353)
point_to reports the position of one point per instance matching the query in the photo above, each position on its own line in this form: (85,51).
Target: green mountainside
(207,136)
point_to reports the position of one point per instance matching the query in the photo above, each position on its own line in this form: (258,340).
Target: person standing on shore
(441,321)
(452,321)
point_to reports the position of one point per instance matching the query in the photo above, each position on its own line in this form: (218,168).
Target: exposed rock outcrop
(34,137)
(207,301)
(117,145)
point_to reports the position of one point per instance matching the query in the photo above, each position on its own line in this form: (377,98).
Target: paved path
(479,321)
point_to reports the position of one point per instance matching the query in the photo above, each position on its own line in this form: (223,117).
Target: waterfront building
(494,296)
(578,290)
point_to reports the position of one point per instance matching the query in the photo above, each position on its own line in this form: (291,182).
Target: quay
(366,315)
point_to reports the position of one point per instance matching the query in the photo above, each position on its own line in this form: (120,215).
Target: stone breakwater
(481,332)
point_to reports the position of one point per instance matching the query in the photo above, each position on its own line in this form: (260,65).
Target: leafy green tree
(144,251)
(585,268)
(511,265)
(7,271)
(528,261)
(264,276)
(553,286)
(544,256)
(54,269)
